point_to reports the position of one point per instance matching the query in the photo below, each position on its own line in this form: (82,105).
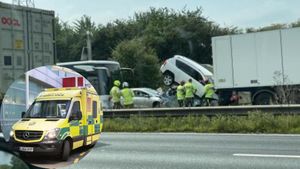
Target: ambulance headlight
(11,133)
(52,133)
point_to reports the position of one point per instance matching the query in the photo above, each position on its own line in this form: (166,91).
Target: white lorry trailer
(266,65)
(27,41)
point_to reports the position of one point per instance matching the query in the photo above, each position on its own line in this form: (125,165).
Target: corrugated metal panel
(26,41)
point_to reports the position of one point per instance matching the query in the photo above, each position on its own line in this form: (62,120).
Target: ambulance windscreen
(48,109)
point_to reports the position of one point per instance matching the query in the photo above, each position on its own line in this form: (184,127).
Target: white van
(180,68)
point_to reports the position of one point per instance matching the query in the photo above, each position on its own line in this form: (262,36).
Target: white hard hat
(125,84)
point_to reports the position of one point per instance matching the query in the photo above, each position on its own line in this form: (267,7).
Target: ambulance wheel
(66,150)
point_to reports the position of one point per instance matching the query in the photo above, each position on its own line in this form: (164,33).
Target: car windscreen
(48,109)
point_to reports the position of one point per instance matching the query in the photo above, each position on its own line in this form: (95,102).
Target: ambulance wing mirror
(23,114)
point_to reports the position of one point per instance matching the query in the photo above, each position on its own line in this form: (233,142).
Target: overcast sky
(241,13)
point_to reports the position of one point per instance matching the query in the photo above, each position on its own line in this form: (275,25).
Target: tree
(268,28)
(285,92)
(167,31)
(64,37)
(142,59)
(296,24)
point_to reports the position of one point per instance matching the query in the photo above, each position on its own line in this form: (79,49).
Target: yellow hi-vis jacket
(189,90)
(115,94)
(209,90)
(127,95)
(180,92)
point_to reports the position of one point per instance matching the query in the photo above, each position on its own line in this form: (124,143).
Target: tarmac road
(184,150)
(55,162)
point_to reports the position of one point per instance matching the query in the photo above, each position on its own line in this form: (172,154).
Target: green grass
(255,122)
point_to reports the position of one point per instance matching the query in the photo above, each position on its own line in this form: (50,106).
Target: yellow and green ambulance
(58,121)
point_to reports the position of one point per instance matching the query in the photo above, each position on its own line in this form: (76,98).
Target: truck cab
(58,121)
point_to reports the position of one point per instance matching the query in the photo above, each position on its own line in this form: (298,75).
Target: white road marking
(267,155)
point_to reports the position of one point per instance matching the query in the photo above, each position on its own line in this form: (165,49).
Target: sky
(241,13)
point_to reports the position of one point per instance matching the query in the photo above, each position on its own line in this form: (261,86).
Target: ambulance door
(76,120)
(89,120)
(96,119)
(96,116)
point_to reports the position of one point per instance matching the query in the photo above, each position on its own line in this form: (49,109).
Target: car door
(137,99)
(188,72)
(147,102)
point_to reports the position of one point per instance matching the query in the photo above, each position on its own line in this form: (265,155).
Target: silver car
(146,97)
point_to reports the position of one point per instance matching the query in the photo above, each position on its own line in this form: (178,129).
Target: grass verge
(255,122)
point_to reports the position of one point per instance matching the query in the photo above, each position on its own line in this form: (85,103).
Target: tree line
(145,40)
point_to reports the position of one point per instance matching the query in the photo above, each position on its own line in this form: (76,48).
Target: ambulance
(59,121)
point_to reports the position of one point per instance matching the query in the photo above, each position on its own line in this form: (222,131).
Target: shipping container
(258,63)
(27,40)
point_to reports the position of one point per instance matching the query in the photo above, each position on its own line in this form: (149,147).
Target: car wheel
(156,104)
(66,150)
(168,79)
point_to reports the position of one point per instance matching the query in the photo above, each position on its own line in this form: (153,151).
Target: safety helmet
(125,84)
(117,83)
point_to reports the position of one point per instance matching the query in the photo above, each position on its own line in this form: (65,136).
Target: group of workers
(116,93)
(186,91)
(185,94)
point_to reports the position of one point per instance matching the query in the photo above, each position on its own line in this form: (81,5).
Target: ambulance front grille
(28,135)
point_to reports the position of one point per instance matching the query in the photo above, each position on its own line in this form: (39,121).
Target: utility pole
(89,44)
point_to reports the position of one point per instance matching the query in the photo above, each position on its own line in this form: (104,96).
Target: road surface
(183,150)
(51,162)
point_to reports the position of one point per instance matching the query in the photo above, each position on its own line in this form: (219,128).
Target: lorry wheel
(66,151)
(168,79)
(263,99)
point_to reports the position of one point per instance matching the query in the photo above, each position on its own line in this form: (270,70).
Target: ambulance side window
(76,113)
(95,108)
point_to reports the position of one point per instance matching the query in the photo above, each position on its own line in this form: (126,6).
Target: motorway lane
(189,150)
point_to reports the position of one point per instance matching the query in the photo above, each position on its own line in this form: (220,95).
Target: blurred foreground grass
(255,122)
